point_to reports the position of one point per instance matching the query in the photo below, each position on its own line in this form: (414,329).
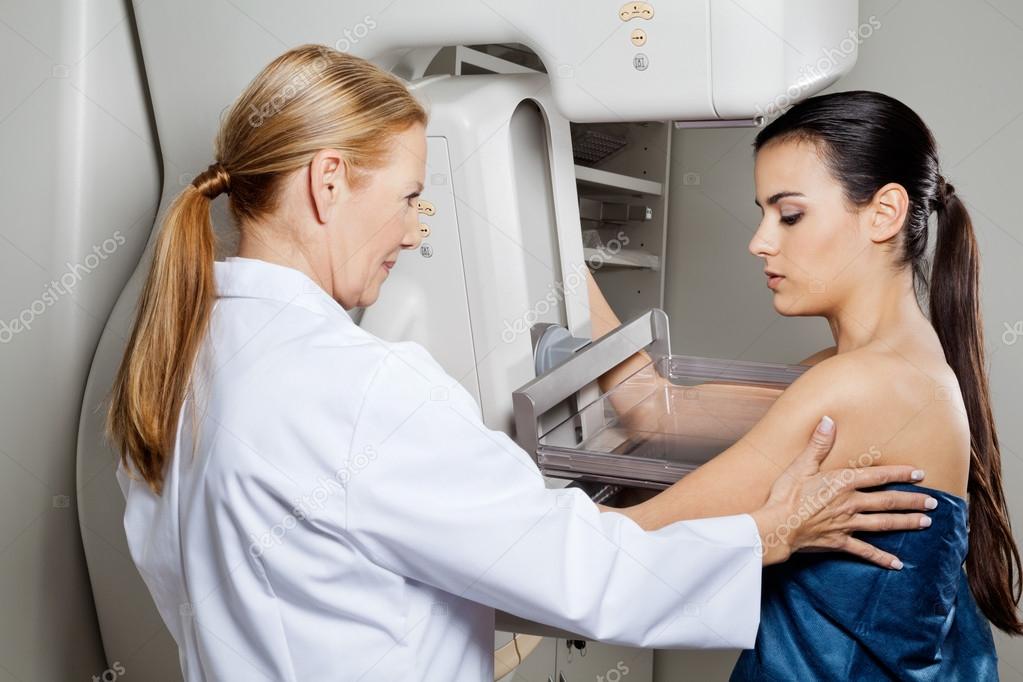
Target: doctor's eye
(792,218)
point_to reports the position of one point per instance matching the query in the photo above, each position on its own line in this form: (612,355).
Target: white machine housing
(499,180)
(689,60)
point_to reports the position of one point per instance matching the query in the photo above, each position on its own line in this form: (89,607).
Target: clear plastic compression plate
(668,418)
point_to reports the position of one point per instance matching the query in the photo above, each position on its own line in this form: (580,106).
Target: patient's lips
(773,279)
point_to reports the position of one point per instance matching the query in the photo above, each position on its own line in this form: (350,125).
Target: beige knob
(426,208)
(636,10)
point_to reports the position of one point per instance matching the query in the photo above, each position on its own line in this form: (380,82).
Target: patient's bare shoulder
(892,408)
(819,356)
(839,387)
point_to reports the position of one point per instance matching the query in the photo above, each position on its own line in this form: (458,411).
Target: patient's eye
(791,218)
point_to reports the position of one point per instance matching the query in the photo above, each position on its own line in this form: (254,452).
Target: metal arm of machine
(647,332)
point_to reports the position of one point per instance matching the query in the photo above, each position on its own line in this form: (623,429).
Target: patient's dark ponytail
(868,140)
(955,313)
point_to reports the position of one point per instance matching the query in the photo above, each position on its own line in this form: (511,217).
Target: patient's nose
(762,244)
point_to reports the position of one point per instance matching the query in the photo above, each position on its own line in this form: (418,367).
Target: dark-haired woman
(846,183)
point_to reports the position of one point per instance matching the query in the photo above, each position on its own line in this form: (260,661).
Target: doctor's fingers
(869,553)
(836,534)
(869,476)
(880,523)
(890,501)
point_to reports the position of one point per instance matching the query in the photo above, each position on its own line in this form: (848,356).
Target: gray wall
(80,185)
(957,64)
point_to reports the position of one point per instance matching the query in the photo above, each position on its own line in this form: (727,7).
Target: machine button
(426,208)
(638,37)
(636,10)
(424,230)
(426,250)
(640,61)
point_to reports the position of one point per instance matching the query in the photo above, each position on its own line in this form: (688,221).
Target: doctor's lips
(773,279)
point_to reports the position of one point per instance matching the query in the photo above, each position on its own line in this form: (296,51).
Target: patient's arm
(854,389)
(602,321)
(654,415)
(739,479)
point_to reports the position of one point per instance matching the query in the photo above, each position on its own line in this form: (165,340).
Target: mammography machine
(500,208)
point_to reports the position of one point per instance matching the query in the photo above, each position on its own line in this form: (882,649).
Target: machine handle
(647,332)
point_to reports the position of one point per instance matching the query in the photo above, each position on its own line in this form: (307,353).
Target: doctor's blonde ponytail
(307,99)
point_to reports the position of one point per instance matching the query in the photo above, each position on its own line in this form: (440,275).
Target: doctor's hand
(808,509)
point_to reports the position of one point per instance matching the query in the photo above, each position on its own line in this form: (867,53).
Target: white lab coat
(346,515)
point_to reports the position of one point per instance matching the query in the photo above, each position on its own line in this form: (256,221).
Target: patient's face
(808,235)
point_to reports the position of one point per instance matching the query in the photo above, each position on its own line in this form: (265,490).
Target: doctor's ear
(328,183)
(888,212)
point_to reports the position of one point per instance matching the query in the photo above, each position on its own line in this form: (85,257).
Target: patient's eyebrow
(775,198)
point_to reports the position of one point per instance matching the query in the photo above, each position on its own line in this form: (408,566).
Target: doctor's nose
(414,235)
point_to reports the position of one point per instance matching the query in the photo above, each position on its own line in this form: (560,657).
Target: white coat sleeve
(434,495)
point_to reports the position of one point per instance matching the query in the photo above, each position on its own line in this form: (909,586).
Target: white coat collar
(237,277)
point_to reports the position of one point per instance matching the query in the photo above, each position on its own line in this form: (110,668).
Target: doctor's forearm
(655,518)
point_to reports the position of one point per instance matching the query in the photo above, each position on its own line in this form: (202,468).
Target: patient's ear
(887,212)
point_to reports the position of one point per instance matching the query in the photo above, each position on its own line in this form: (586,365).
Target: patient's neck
(882,309)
